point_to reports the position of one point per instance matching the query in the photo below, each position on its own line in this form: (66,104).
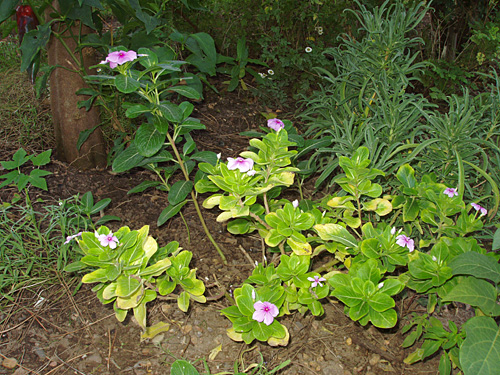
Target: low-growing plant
(130,271)
(374,261)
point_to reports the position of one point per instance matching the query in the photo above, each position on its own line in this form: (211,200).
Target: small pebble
(9,363)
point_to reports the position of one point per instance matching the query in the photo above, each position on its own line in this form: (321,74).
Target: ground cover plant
(402,234)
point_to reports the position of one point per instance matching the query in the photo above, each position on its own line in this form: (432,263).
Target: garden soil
(64,329)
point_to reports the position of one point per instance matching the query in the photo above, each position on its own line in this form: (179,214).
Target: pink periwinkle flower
(316,280)
(275,124)
(264,312)
(108,240)
(451,192)
(477,207)
(244,165)
(69,238)
(119,58)
(405,241)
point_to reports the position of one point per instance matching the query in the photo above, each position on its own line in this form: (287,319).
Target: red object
(26,20)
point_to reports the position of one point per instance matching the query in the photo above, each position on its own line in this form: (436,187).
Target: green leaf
(144,185)
(126,286)
(406,175)
(155,330)
(182,367)
(385,319)
(170,112)
(179,192)
(476,292)
(103,203)
(480,351)
(126,84)
(183,301)
(148,140)
(337,233)
(169,212)
(42,158)
(127,159)
(7,8)
(477,265)
(188,92)
(33,42)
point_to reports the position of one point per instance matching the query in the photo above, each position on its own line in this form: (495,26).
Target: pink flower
(275,124)
(119,57)
(477,207)
(69,238)
(316,280)
(108,240)
(295,203)
(405,241)
(451,192)
(244,165)
(265,312)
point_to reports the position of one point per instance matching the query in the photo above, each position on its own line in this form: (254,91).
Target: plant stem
(195,200)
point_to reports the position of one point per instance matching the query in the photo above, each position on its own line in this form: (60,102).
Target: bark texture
(69,121)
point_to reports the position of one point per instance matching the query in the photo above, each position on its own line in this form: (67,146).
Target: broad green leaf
(183,301)
(187,91)
(337,233)
(476,292)
(169,212)
(480,351)
(126,84)
(182,367)
(33,42)
(144,185)
(406,175)
(385,319)
(127,159)
(170,112)
(477,265)
(42,158)
(154,330)
(131,301)
(381,206)
(126,286)
(97,276)
(179,192)
(99,206)
(148,140)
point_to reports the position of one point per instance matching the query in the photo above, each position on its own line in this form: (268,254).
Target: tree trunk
(69,121)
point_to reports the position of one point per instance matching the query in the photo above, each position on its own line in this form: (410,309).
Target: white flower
(295,203)
(262,75)
(393,231)
(219,155)
(270,72)
(251,172)
(308,49)
(381,285)
(434,258)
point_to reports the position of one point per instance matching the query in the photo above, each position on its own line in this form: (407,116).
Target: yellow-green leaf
(154,330)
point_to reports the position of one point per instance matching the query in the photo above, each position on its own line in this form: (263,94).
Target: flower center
(266,309)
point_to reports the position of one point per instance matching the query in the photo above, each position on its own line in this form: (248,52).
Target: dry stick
(63,363)
(195,200)
(252,263)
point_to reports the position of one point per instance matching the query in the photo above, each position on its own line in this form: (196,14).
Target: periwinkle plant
(154,77)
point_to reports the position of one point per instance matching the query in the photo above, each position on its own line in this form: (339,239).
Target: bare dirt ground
(75,334)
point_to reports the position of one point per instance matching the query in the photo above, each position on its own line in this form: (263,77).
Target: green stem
(195,200)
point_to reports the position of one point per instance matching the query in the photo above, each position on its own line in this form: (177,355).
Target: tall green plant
(362,100)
